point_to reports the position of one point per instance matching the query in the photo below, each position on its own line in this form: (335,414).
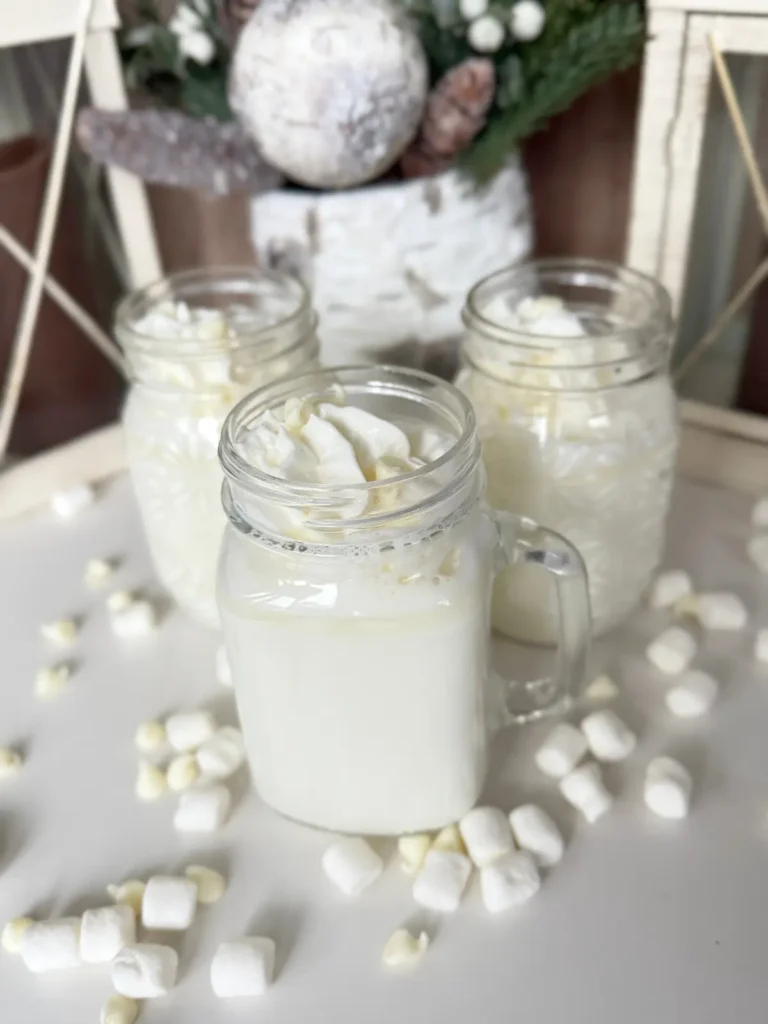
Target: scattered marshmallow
(67,504)
(62,632)
(760,512)
(220,756)
(223,669)
(187,730)
(669,588)
(486,834)
(51,945)
(151,782)
(352,865)
(182,772)
(150,736)
(210,884)
(138,619)
(13,933)
(608,737)
(761,646)
(509,882)
(672,651)
(449,840)
(687,606)
(169,903)
(105,931)
(694,694)
(203,809)
(561,751)
(119,1010)
(403,949)
(757,549)
(243,967)
(442,880)
(97,572)
(602,688)
(585,790)
(413,849)
(537,834)
(721,610)
(130,893)
(51,680)
(668,788)
(145,971)
(11,762)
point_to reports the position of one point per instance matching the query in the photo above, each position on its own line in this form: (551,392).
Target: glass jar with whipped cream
(354,590)
(196,342)
(565,362)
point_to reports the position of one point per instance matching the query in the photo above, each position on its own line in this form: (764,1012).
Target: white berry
(527,20)
(471,9)
(486,34)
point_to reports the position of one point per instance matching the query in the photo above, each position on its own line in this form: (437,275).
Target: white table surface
(644,921)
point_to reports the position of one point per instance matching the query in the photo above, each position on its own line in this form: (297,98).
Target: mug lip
(397,381)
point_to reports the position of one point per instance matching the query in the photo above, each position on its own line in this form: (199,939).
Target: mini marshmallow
(668,788)
(442,880)
(51,680)
(486,834)
(119,601)
(672,651)
(352,865)
(130,893)
(67,504)
(757,549)
(721,610)
(187,730)
(10,762)
(13,934)
(608,737)
(51,945)
(97,572)
(585,790)
(203,809)
(150,736)
(761,646)
(182,772)
(119,1010)
(62,632)
(243,967)
(509,882)
(449,840)
(210,884)
(145,971)
(105,931)
(220,756)
(169,903)
(694,694)
(537,834)
(602,688)
(137,620)
(686,606)
(413,849)
(561,751)
(403,949)
(223,670)
(760,512)
(150,783)
(670,587)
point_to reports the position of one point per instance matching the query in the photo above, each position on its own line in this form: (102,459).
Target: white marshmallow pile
(668,788)
(669,588)
(609,739)
(561,751)
(536,833)
(67,504)
(145,971)
(51,945)
(672,651)
(693,695)
(487,835)
(585,790)
(105,931)
(243,967)
(203,809)
(509,881)
(442,880)
(169,903)
(352,865)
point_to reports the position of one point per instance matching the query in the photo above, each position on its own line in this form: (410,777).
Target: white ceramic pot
(391,264)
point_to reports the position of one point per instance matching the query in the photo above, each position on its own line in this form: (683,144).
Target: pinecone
(170,148)
(455,113)
(233,15)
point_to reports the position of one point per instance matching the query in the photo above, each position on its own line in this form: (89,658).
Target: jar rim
(223,279)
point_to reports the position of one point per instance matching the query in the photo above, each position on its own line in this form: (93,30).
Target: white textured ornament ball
(332,91)
(527,19)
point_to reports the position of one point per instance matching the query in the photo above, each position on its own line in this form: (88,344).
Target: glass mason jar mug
(196,342)
(356,614)
(565,362)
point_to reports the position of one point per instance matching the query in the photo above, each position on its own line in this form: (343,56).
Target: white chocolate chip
(243,967)
(67,504)
(403,949)
(721,610)
(169,903)
(757,549)
(222,754)
(210,884)
(509,881)
(672,651)
(182,772)
(668,788)
(187,730)
(51,680)
(585,790)
(561,751)
(602,688)
(97,572)
(486,834)
(449,840)
(352,865)
(130,893)
(10,762)
(442,880)
(761,646)
(138,619)
(151,782)
(13,933)
(760,512)
(223,670)
(608,737)
(202,809)
(62,632)
(150,736)
(145,971)
(670,587)
(51,945)
(119,1010)
(413,849)
(536,832)
(694,694)
(105,931)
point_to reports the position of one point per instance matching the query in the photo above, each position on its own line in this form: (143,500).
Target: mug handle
(523,541)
